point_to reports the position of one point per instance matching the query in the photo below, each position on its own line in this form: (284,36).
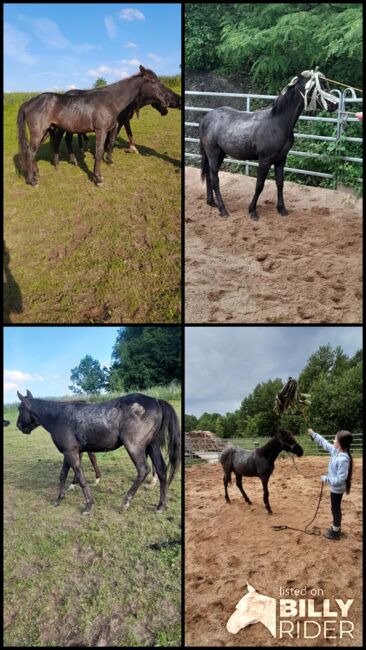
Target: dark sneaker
(332,534)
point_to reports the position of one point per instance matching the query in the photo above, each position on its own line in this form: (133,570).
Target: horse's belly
(239,149)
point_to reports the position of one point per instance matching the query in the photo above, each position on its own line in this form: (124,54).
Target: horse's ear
(29,394)
(142,69)
(20,396)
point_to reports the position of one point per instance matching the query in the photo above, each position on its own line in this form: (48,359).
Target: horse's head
(27,421)
(315,91)
(153,91)
(288,442)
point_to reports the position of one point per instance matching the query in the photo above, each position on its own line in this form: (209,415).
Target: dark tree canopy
(272,42)
(334,381)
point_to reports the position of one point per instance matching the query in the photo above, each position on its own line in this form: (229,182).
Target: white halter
(313,90)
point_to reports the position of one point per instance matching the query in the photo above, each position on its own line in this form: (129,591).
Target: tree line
(142,357)
(334,382)
(272,42)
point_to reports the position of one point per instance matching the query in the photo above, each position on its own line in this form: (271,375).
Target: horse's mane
(283,100)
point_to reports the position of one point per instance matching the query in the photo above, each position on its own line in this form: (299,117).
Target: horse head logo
(253,608)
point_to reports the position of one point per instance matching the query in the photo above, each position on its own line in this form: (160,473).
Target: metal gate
(346,97)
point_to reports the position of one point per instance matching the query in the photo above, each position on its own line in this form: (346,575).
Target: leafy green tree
(146,356)
(261,400)
(190,422)
(88,377)
(100,83)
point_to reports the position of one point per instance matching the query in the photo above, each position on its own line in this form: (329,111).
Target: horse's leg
(226,483)
(266,494)
(74,459)
(239,483)
(263,170)
(63,476)
(139,460)
(279,182)
(33,171)
(127,126)
(56,140)
(100,137)
(72,157)
(98,473)
(75,481)
(154,478)
(111,140)
(159,465)
(214,163)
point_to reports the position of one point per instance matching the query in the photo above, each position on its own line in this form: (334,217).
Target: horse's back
(244,462)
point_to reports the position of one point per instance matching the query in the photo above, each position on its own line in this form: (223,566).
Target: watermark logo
(301,617)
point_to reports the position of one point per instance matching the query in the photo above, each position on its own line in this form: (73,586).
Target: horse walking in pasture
(266,135)
(259,462)
(138,422)
(92,112)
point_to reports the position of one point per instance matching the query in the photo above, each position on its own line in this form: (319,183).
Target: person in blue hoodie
(339,475)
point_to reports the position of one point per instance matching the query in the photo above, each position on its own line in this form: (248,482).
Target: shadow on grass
(45,153)
(13,302)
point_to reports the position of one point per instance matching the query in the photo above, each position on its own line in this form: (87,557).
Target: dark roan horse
(138,422)
(92,112)
(259,462)
(266,135)
(173,100)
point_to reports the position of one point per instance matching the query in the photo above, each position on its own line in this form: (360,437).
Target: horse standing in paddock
(266,135)
(173,101)
(94,112)
(259,462)
(138,422)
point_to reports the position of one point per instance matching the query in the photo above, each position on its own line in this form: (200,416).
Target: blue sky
(51,47)
(41,358)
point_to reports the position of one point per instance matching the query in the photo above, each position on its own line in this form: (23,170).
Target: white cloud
(131,14)
(19,376)
(9,385)
(71,87)
(154,57)
(106,70)
(48,32)
(129,44)
(110,27)
(15,45)
(133,62)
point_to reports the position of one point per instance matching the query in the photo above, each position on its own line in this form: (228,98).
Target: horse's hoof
(72,486)
(212,203)
(254,217)
(87,511)
(224,215)
(97,480)
(108,161)
(57,503)
(159,510)
(282,211)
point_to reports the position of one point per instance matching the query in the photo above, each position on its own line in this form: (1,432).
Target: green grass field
(86,581)
(78,253)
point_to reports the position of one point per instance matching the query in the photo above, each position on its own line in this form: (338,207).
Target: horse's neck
(271,449)
(46,412)
(127,91)
(292,113)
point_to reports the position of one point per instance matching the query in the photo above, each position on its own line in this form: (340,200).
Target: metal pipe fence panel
(340,121)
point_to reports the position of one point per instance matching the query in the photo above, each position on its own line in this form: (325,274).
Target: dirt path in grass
(305,268)
(227,545)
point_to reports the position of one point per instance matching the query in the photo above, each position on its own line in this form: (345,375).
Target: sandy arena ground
(229,544)
(305,268)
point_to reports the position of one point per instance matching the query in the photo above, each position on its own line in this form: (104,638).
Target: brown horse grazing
(95,112)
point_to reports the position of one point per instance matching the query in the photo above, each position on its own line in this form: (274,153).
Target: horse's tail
(205,165)
(226,460)
(170,423)
(22,138)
